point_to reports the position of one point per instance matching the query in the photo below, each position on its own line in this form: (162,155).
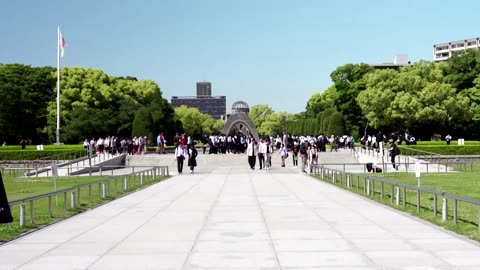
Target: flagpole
(58,85)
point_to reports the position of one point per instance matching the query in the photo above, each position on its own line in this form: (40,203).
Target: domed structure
(240,106)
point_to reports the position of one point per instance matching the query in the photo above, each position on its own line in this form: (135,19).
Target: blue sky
(263,52)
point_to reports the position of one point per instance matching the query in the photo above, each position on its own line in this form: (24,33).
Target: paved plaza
(227,216)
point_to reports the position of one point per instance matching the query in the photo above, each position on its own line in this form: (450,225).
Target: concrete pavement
(226,216)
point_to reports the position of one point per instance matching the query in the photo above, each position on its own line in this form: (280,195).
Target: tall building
(215,106)
(443,51)
(204,89)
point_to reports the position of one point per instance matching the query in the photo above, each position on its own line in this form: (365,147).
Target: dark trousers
(180,164)
(252,161)
(393,160)
(261,159)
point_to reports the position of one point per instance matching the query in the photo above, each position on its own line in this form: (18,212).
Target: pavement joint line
(63,220)
(407,241)
(153,216)
(355,247)
(259,206)
(92,228)
(405,214)
(205,221)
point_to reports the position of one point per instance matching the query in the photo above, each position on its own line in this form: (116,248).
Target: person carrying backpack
(303,155)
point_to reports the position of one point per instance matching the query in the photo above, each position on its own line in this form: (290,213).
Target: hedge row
(443,149)
(453,142)
(34,154)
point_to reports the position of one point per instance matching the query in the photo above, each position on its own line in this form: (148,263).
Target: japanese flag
(61,43)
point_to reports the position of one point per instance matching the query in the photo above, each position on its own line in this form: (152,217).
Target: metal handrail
(153,172)
(53,157)
(326,172)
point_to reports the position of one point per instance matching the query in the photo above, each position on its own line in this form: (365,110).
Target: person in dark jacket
(394,151)
(192,158)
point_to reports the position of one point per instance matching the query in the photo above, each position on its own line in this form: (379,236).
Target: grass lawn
(18,188)
(465,184)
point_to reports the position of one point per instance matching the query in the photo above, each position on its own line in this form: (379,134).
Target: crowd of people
(114,145)
(304,150)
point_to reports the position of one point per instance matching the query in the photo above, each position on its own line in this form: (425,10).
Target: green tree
(337,124)
(25,91)
(88,123)
(196,123)
(258,114)
(318,102)
(349,82)
(326,119)
(413,98)
(463,69)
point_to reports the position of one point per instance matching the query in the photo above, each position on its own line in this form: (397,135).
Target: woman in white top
(283,153)
(180,155)
(311,157)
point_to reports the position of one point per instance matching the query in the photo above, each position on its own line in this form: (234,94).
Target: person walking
(268,159)
(251,153)
(448,138)
(180,155)
(192,158)
(295,150)
(262,152)
(394,151)
(283,153)
(312,157)
(303,155)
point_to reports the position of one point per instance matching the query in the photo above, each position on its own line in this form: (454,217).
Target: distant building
(444,51)
(399,61)
(204,89)
(215,106)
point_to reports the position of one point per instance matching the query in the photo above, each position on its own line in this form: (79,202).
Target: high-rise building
(204,89)
(443,51)
(215,106)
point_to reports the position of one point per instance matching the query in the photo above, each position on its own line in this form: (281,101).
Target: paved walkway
(229,217)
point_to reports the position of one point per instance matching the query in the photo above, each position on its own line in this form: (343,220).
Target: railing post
(65,205)
(382,190)
(397,196)
(435,210)
(141,179)
(78,197)
(368,186)
(404,197)
(445,209)
(334,177)
(22,215)
(418,200)
(348,181)
(391,193)
(90,193)
(50,207)
(72,199)
(455,212)
(104,190)
(32,213)
(125,184)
